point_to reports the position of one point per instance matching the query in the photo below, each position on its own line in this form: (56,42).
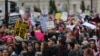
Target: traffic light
(12,6)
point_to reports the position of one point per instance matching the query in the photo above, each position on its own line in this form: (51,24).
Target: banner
(21,29)
(58,16)
(89,25)
(13,17)
(50,24)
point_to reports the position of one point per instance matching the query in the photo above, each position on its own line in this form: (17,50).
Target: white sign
(70,26)
(50,24)
(71,12)
(64,16)
(13,17)
(21,12)
(89,25)
(42,22)
(83,16)
(79,11)
(44,12)
(36,14)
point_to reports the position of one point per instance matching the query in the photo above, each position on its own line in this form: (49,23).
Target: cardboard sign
(58,16)
(50,24)
(21,29)
(89,25)
(64,16)
(13,17)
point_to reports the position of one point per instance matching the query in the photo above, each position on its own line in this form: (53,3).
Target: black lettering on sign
(17,31)
(22,33)
(12,19)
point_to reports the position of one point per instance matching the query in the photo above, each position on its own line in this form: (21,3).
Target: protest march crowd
(60,34)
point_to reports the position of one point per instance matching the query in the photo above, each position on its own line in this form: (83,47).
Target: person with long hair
(45,49)
(88,52)
(93,46)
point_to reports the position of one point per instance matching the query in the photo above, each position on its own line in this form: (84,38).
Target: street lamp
(6,13)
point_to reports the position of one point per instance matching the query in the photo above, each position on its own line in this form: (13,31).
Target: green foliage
(52,7)
(82,6)
(37,9)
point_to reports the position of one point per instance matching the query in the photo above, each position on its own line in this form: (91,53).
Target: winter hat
(26,42)
(19,39)
(62,42)
(85,43)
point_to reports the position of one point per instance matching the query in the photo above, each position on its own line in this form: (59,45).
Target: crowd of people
(68,38)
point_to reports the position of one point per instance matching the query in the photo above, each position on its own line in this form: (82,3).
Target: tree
(36,9)
(82,6)
(52,7)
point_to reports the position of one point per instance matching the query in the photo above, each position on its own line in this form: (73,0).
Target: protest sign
(13,17)
(71,27)
(44,11)
(21,12)
(42,22)
(94,9)
(82,16)
(79,11)
(89,25)
(50,24)
(87,12)
(71,12)
(58,16)
(64,16)
(17,28)
(36,14)
(21,29)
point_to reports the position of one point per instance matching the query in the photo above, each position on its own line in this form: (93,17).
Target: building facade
(63,5)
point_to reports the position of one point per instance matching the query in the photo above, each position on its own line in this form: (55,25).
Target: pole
(68,5)
(6,13)
(91,4)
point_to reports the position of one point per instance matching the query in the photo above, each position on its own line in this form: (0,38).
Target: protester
(45,49)
(34,36)
(5,52)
